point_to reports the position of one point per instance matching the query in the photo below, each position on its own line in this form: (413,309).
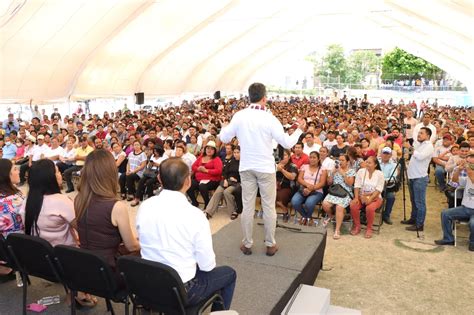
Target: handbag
(393,185)
(150,171)
(337,190)
(301,189)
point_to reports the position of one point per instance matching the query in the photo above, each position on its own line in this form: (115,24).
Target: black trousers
(67,175)
(203,190)
(63,166)
(145,185)
(127,183)
(23,169)
(238,199)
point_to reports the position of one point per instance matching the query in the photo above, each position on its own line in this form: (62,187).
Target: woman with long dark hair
(11,200)
(312,179)
(102,221)
(48,213)
(286,175)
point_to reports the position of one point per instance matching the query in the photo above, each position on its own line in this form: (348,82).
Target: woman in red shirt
(207,173)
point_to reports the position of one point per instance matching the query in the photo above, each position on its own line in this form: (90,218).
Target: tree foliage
(333,63)
(399,64)
(360,64)
(335,66)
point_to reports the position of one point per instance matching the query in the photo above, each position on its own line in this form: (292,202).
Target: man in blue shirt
(388,166)
(10,124)
(9,149)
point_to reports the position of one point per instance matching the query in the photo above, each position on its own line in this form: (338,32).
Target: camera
(336,164)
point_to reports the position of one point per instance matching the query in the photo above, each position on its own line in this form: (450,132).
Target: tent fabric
(58,49)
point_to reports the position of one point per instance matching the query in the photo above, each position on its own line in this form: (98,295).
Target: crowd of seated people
(344,161)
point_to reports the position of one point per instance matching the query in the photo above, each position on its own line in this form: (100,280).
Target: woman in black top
(340,148)
(229,184)
(286,175)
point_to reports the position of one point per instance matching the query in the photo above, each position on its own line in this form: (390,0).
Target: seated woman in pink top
(48,213)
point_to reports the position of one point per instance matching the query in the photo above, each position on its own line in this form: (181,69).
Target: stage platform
(265,284)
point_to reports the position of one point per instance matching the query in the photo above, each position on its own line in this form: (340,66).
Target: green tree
(360,64)
(399,64)
(333,64)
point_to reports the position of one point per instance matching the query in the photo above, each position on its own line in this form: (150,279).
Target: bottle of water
(49,300)
(19,280)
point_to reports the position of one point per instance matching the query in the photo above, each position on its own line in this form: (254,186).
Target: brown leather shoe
(246,250)
(272,250)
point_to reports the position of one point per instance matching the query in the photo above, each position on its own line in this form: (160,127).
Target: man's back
(173,232)
(255,138)
(255,129)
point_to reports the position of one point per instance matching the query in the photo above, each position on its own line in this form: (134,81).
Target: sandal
(286,218)
(86,302)
(135,203)
(368,233)
(337,235)
(355,231)
(234,215)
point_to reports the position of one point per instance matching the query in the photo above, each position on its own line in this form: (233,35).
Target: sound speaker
(217,95)
(140,98)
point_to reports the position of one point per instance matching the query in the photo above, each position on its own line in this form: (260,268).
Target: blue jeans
(309,203)
(389,202)
(440,174)
(417,187)
(459,213)
(204,284)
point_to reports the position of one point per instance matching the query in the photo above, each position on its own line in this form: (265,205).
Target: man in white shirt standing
(175,233)
(255,128)
(427,124)
(418,179)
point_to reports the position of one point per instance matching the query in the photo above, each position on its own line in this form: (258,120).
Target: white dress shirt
(328,164)
(421,158)
(329,144)
(173,232)
(38,151)
(255,129)
(307,149)
(54,152)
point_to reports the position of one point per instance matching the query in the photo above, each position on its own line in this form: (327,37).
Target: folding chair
(83,270)
(158,287)
(33,256)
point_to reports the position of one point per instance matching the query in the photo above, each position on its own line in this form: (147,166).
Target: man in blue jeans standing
(175,233)
(418,179)
(465,211)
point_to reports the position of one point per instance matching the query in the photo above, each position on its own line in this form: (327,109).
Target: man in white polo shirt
(175,233)
(255,127)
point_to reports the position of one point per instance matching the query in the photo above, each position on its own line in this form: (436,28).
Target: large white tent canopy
(58,49)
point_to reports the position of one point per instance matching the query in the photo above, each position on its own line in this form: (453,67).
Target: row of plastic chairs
(148,284)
